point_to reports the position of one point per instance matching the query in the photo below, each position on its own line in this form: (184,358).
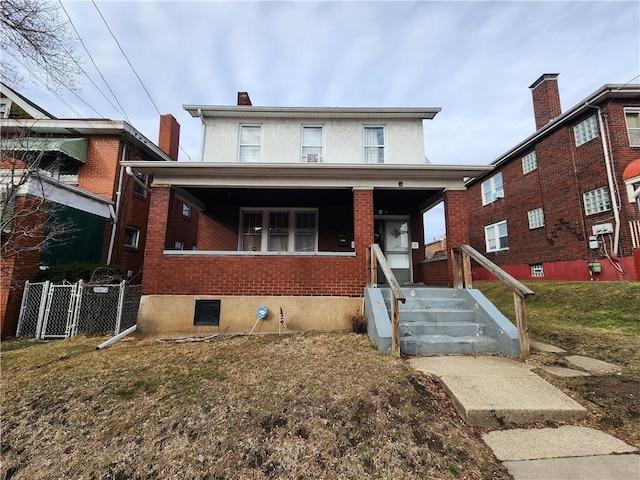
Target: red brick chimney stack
(243,99)
(546,99)
(169,136)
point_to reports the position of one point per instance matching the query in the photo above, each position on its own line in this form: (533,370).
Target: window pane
(249,154)
(278,231)
(312,136)
(373,136)
(250,135)
(305,231)
(252,231)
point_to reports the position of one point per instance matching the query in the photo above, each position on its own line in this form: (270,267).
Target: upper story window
(141,184)
(496,237)
(536,218)
(373,144)
(492,189)
(5,108)
(632,116)
(186,210)
(63,171)
(279,230)
(529,162)
(131,237)
(585,130)
(596,201)
(312,143)
(250,142)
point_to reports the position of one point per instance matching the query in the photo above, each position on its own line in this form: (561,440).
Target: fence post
(23,302)
(521,320)
(77,307)
(44,301)
(120,306)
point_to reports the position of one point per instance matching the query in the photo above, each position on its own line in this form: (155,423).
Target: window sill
(257,254)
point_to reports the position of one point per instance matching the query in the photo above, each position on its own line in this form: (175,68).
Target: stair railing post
(395,326)
(456,267)
(373,265)
(466,270)
(521,320)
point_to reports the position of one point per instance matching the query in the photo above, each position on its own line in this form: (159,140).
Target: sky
(474,59)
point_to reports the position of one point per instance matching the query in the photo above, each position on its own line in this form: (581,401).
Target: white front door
(396,246)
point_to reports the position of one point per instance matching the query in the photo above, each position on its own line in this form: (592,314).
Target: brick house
(289,199)
(560,205)
(80,181)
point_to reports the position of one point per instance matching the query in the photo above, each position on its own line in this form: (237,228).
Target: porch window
(373,144)
(250,141)
(311,144)
(279,230)
(496,236)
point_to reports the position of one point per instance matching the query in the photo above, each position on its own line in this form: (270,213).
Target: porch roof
(263,175)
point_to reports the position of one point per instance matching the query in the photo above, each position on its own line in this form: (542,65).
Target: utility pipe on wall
(116,217)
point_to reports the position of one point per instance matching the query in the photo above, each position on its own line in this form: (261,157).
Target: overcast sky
(475,60)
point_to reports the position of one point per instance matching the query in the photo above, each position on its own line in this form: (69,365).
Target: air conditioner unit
(312,157)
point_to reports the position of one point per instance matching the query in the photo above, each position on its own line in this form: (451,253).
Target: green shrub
(72,272)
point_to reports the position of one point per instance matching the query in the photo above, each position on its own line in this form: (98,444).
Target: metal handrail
(462,278)
(375,257)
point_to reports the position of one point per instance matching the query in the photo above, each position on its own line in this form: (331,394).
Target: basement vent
(207,313)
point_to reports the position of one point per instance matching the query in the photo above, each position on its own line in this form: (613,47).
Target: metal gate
(51,311)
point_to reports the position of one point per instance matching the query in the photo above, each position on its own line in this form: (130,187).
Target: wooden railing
(375,257)
(462,278)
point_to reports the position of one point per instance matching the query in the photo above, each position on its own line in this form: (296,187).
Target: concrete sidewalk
(496,392)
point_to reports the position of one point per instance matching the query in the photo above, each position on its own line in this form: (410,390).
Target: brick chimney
(243,99)
(546,99)
(169,136)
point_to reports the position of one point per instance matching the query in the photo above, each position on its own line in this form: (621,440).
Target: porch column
(456,224)
(156,238)
(362,226)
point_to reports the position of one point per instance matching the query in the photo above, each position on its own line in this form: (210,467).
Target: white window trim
(489,186)
(136,237)
(303,156)
(383,146)
(495,228)
(240,144)
(533,215)
(537,270)
(143,178)
(186,210)
(589,199)
(264,242)
(529,162)
(6,109)
(635,111)
(586,130)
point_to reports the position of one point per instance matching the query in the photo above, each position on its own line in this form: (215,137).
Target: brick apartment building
(80,181)
(563,203)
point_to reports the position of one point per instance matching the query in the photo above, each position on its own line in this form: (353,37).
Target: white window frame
(633,132)
(529,162)
(143,178)
(178,244)
(367,146)
(307,149)
(135,236)
(586,130)
(492,233)
(536,218)
(596,201)
(249,145)
(5,108)
(186,210)
(265,234)
(537,270)
(492,190)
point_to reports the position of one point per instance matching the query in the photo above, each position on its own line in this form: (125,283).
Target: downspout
(611,180)
(116,214)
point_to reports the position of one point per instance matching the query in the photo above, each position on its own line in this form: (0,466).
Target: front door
(394,240)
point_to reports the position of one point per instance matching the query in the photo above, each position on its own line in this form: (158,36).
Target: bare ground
(292,406)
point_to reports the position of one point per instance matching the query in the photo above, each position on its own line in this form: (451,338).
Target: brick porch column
(362,227)
(156,238)
(456,224)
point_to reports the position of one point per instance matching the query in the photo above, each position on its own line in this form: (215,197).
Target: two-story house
(289,199)
(67,172)
(562,204)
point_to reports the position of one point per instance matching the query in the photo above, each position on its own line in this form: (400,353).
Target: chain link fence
(51,311)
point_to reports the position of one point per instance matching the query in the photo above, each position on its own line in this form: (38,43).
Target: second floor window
(131,237)
(312,144)
(140,187)
(186,210)
(492,189)
(250,141)
(632,116)
(373,144)
(585,130)
(529,162)
(536,218)
(596,201)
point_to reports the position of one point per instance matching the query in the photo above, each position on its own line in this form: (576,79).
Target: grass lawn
(291,406)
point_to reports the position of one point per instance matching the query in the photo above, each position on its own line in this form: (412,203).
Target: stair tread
(448,338)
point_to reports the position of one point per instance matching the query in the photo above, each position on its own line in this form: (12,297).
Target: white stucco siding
(342,143)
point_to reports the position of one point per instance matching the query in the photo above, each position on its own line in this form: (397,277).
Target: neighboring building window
(529,162)
(131,237)
(373,144)
(492,189)
(65,172)
(5,108)
(496,237)
(250,141)
(536,218)
(585,130)
(279,230)
(186,210)
(312,143)
(178,245)
(537,270)
(140,186)
(596,201)
(7,208)
(632,117)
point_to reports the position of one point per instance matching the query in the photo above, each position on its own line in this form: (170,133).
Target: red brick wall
(435,272)
(180,227)
(455,219)
(99,175)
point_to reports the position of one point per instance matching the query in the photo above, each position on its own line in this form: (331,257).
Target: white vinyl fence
(52,311)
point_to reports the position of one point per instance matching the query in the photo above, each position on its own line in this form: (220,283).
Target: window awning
(74,148)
